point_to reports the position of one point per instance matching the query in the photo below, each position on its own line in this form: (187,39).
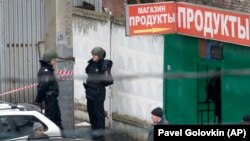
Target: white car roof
(9,106)
(8,109)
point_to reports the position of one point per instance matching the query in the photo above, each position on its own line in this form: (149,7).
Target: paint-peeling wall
(140,55)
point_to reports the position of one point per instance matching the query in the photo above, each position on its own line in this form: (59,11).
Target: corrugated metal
(21,28)
(96,3)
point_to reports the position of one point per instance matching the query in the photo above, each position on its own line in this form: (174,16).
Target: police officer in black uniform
(48,88)
(99,76)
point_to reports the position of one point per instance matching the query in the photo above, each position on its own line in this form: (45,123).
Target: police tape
(61,74)
(19,89)
(64,73)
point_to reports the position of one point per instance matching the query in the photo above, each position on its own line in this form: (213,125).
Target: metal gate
(21,29)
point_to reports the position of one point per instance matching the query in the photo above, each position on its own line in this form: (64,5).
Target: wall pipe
(111,19)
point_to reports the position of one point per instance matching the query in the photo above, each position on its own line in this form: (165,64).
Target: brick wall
(118,8)
(236,5)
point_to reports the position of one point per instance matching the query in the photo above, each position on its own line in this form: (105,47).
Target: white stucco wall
(138,55)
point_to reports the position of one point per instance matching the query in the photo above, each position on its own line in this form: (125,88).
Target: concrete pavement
(83,131)
(110,134)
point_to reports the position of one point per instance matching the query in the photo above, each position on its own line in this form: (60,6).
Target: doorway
(208,94)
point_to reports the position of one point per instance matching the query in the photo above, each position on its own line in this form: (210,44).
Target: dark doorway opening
(209,95)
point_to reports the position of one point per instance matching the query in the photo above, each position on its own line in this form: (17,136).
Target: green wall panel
(180,94)
(236,90)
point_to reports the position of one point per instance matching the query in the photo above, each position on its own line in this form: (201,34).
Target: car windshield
(17,126)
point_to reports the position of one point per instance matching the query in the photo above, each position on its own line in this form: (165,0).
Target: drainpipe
(110,88)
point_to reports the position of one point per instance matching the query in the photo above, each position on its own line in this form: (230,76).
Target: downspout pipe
(111,19)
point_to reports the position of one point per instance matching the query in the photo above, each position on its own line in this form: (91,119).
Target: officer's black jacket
(99,76)
(47,83)
(99,73)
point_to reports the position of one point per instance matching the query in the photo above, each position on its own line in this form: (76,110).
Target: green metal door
(205,107)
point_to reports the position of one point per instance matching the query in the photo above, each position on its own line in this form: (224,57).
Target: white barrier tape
(64,79)
(61,76)
(19,89)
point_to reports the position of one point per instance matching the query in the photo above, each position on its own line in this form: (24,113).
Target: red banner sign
(151,18)
(212,23)
(188,19)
